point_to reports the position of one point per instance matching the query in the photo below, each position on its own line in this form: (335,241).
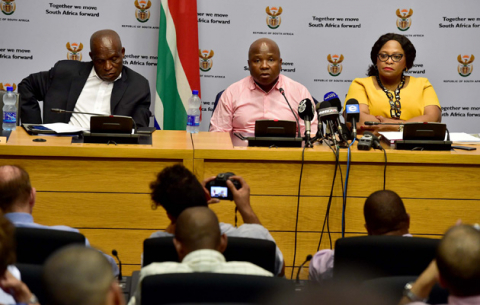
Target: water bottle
(9,110)
(193,113)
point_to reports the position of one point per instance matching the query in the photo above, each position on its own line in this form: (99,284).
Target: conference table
(103,190)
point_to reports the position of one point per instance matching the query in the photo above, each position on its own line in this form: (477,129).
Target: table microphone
(296,118)
(309,257)
(57,110)
(352,110)
(306,113)
(399,123)
(115,253)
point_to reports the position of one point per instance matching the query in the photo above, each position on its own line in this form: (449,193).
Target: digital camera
(218,187)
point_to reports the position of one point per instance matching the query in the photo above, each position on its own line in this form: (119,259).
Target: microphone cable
(346,187)
(298,209)
(385,168)
(327,214)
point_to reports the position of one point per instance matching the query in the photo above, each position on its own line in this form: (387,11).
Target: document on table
(64,128)
(455,137)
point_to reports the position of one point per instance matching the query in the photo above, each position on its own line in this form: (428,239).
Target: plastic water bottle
(193,113)
(9,110)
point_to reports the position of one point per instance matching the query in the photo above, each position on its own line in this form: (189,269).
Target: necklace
(395,106)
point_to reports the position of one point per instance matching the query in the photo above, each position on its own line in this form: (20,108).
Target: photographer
(176,189)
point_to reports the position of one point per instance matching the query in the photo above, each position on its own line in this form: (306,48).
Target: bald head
(15,188)
(197,228)
(458,260)
(107,54)
(263,44)
(385,214)
(77,275)
(265,63)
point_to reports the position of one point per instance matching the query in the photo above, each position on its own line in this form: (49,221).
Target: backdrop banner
(324,44)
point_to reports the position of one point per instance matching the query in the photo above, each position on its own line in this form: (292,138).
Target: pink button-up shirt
(244,102)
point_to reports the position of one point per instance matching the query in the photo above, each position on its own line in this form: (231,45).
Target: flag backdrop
(177,66)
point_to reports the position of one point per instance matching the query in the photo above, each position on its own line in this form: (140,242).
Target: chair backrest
(32,277)
(209,288)
(367,257)
(34,245)
(260,252)
(392,287)
(17,104)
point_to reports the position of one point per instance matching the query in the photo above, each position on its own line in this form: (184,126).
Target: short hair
(197,228)
(177,189)
(77,275)
(458,260)
(15,186)
(384,212)
(7,244)
(407,46)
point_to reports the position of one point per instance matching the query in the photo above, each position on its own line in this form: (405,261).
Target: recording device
(218,188)
(305,111)
(296,118)
(365,142)
(375,140)
(352,110)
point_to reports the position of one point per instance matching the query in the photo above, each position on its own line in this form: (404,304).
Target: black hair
(407,46)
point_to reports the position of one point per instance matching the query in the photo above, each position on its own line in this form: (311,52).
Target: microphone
(328,115)
(375,141)
(57,110)
(305,111)
(115,253)
(309,257)
(333,99)
(296,118)
(352,109)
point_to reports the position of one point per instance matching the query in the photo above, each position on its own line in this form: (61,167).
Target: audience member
(78,275)
(13,290)
(176,189)
(17,199)
(199,245)
(456,267)
(384,214)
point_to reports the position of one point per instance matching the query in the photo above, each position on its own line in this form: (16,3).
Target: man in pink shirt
(258,97)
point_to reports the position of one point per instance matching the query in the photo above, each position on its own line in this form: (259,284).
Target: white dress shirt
(198,261)
(94,98)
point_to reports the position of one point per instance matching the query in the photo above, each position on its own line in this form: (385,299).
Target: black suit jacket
(61,86)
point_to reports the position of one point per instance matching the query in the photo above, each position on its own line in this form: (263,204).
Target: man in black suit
(103,86)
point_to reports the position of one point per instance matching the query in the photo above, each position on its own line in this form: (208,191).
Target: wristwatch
(407,292)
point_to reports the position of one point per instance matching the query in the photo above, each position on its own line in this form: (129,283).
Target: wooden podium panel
(438,188)
(103,190)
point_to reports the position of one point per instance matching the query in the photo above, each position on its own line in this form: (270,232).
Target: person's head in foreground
(79,275)
(197,229)
(385,214)
(176,189)
(16,191)
(458,261)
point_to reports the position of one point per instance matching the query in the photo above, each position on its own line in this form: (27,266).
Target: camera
(218,187)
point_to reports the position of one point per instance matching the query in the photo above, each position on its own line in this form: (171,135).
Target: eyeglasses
(395,57)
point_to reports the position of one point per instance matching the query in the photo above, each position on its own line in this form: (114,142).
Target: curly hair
(407,46)
(176,189)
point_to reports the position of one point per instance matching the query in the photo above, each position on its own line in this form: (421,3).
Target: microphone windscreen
(352,108)
(305,109)
(332,97)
